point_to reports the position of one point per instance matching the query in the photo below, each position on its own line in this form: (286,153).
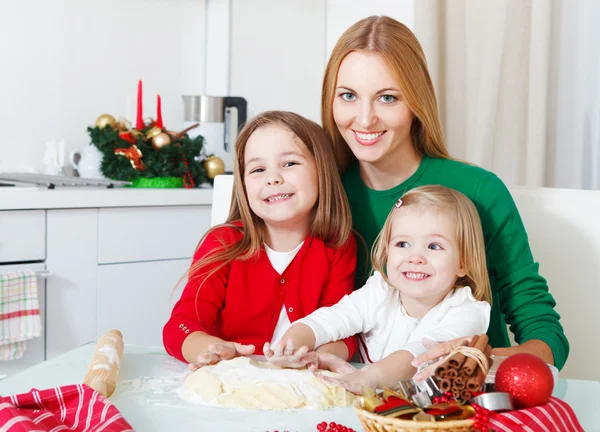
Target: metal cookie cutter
(498,401)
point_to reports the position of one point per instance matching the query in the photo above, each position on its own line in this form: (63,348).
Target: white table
(147,399)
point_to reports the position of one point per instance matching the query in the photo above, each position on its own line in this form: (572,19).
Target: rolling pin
(103,369)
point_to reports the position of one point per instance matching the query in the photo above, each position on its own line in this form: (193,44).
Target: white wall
(279,49)
(574,98)
(64,62)
(278,54)
(341,14)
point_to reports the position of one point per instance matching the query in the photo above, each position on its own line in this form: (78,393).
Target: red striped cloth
(555,416)
(75,408)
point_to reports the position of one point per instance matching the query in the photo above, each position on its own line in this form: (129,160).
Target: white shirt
(280,261)
(376,311)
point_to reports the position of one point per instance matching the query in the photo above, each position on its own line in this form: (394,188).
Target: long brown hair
(331,221)
(402,53)
(469,235)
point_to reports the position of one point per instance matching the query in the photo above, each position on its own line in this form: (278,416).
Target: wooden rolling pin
(104,367)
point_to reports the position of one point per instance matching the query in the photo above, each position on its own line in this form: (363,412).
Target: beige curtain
(490,63)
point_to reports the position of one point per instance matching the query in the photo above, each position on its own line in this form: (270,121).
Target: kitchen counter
(28,198)
(148,380)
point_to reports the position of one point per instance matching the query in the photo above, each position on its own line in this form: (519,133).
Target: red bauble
(527,378)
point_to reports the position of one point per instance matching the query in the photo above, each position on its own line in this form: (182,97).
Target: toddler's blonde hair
(469,235)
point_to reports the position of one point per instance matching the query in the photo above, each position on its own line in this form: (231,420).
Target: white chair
(564,233)
(222,193)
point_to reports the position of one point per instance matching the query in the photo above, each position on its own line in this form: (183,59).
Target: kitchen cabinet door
(160,233)
(72,260)
(137,298)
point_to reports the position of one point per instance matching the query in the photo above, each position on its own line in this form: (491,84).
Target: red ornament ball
(527,378)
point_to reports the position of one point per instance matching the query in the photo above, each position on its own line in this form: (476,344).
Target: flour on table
(246,383)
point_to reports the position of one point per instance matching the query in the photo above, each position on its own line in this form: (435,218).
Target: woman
(380,111)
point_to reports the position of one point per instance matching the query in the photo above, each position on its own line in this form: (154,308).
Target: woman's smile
(368,138)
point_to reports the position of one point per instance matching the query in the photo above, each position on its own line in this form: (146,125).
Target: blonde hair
(331,220)
(402,53)
(469,235)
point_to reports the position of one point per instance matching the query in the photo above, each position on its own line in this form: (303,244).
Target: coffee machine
(220,120)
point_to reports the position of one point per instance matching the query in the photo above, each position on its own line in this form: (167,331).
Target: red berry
(332,425)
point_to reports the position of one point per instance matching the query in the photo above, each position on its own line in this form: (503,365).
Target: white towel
(19,312)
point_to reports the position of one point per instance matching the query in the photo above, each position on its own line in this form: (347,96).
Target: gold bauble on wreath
(161,140)
(153,132)
(214,166)
(106,120)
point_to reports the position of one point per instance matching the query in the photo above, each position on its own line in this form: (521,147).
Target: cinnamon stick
(466,395)
(444,385)
(475,382)
(456,394)
(459,382)
(451,373)
(470,364)
(458,359)
(488,355)
(440,371)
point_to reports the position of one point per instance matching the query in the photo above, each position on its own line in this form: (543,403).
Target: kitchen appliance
(220,119)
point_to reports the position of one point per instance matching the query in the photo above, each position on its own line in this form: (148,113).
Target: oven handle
(43,274)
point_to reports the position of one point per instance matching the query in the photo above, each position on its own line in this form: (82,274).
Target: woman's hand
(285,354)
(221,351)
(431,359)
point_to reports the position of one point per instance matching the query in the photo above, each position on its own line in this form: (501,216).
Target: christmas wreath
(150,155)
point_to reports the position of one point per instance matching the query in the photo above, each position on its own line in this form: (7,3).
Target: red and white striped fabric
(74,408)
(555,416)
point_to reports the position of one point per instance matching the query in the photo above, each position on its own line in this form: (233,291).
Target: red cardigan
(243,300)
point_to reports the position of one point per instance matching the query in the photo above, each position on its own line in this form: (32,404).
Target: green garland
(168,161)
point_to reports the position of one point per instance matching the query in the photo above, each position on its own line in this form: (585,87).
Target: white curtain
(490,62)
(574,102)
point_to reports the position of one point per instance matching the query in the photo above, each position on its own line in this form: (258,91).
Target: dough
(246,383)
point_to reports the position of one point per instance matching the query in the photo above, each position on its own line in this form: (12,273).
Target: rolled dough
(246,383)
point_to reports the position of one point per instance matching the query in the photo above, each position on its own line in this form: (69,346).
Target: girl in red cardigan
(285,250)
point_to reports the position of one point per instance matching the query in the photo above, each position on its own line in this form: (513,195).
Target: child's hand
(354,381)
(326,361)
(431,359)
(284,354)
(221,351)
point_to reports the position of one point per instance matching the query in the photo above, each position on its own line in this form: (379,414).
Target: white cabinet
(114,257)
(110,268)
(22,235)
(72,259)
(115,268)
(150,233)
(137,298)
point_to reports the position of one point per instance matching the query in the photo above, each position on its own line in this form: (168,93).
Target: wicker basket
(376,423)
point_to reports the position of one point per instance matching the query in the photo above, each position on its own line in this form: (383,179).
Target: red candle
(139,123)
(159,121)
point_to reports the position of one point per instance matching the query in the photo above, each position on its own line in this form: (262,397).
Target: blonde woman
(430,281)
(285,250)
(380,111)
